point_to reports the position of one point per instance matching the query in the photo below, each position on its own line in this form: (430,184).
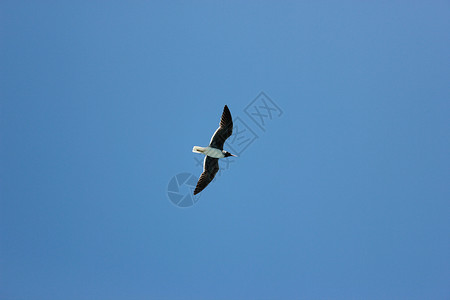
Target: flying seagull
(214,151)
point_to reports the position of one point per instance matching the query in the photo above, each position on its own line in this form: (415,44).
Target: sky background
(344,196)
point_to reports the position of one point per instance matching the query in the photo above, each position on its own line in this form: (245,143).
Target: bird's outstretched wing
(224,131)
(210,169)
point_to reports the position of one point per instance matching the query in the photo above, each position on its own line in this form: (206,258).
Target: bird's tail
(198,149)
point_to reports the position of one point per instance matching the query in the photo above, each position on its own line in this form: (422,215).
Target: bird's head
(226,153)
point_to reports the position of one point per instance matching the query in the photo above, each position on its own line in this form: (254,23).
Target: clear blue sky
(345,196)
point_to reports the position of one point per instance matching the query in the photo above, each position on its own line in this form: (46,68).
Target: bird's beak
(234,155)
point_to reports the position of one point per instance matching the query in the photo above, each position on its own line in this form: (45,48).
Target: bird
(214,151)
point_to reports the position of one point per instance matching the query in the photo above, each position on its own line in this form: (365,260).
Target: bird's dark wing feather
(210,169)
(224,131)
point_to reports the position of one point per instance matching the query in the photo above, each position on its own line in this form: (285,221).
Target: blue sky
(344,196)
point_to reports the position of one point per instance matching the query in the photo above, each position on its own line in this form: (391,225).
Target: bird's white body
(209,151)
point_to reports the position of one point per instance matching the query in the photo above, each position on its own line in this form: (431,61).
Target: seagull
(214,151)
